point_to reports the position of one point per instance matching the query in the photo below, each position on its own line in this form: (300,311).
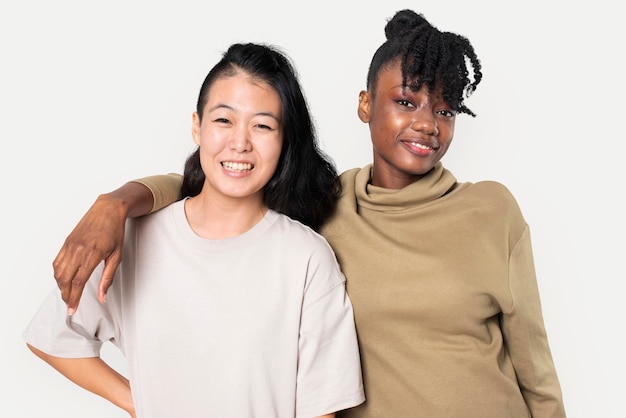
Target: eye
(404,102)
(263,126)
(221,120)
(447,113)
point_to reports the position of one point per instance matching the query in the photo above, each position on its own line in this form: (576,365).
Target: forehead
(390,76)
(242,91)
(240,82)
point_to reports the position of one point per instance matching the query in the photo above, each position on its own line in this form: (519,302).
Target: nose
(424,121)
(240,140)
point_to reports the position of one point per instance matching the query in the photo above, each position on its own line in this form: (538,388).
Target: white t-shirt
(258,325)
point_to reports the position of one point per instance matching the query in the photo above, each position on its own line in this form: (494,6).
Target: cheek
(274,147)
(268,152)
(392,124)
(388,119)
(446,134)
(212,139)
(206,158)
(451,131)
(211,147)
(446,130)
(274,153)
(386,128)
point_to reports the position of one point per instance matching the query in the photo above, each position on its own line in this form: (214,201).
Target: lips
(421,148)
(237,166)
(419,145)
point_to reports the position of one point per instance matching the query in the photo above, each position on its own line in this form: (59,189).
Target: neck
(392,180)
(221,219)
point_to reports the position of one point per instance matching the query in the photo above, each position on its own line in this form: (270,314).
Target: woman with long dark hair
(225,305)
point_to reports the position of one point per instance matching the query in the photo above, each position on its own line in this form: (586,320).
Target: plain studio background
(95,94)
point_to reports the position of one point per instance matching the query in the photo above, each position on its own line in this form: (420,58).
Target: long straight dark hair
(305,185)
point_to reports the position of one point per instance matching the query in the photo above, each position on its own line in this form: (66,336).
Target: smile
(418,145)
(237,167)
(420,149)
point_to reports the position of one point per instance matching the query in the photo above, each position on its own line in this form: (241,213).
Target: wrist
(131,200)
(114,203)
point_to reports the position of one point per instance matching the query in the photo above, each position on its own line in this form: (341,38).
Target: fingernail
(71,311)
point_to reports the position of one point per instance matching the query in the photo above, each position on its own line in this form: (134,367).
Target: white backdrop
(95,94)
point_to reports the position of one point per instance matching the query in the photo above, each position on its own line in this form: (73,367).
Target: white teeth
(415,144)
(232,166)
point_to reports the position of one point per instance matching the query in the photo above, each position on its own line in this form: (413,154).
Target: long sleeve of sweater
(525,334)
(165,188)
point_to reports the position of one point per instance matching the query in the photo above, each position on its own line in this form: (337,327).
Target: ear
(195,128)
(364,106)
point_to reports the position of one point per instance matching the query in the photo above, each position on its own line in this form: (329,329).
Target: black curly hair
(428,58)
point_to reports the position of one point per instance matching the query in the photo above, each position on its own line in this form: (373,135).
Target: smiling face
(410,130)
(240,137)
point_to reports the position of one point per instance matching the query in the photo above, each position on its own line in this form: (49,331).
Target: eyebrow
(225,106)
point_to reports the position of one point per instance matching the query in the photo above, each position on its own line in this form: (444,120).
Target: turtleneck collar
(436,183)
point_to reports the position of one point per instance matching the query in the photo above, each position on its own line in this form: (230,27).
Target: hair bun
(404,22)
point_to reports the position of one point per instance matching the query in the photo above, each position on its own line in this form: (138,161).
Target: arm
(526,338)
(99,234)
(94,375)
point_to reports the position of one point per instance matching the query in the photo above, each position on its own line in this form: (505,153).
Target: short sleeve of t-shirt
(329,373)
(78,336)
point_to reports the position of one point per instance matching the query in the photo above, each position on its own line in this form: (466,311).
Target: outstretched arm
(94,375)
(98,236)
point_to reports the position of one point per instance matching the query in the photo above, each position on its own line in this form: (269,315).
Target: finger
(108,273)
(86,267)
(65,267)
(103,287)
(76,290)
